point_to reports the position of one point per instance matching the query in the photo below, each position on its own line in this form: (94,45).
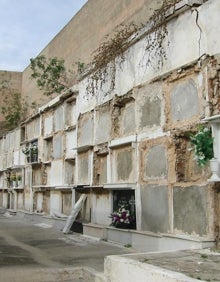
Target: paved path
(31,252)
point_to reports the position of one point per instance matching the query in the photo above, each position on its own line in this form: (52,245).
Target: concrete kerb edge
(142,270)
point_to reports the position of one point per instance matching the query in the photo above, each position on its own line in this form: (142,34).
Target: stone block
(155,208)
(103,171)
(57,146)
(83,168)
(184,101)
(71,142)
(94,230)
(189,208)
(128,120)
(48,125)
(55,202)
(58,119)
(103,127)
(150,112)
(156,163)
(56,175)
(145,242)
(124,164)
(119,235)
(85,133)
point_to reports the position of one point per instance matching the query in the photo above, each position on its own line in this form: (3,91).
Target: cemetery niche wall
(128,147)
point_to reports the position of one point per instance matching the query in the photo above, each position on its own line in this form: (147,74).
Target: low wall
(146,241)
(118,269)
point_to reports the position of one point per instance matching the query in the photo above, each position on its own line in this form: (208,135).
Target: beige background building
(82,35)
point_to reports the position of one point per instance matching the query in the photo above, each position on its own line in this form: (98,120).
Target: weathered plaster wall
(48,124)
(123,165)
(59,118)
(139,135)
(162,113)
(155,208)
(1,199)
(128,123)
(20,201)
(156,163)
(39,201)
(58,146)
(66,202)
(185,99)
(136,72)
(85,129)
(102,124)
(56,174)
(71,143)
(83,168)
(190,209)
(101,207)
(101,15)
(37,176)
(55,202)
(100,169)
(33,129)
(46,202)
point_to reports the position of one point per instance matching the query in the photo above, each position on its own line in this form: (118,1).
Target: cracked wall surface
(134,140)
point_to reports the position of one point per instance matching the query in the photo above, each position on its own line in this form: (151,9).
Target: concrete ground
(32,252)
(35,252)
(198,264)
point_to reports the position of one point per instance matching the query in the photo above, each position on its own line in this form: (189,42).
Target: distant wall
(86,30)
(15,79)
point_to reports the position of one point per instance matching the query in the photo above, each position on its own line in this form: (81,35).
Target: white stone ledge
(152,135)
(118,268)
(122,141)
(120,186)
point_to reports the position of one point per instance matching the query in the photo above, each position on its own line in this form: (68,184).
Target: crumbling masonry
(131,146)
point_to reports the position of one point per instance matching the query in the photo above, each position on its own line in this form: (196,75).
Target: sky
(27,26)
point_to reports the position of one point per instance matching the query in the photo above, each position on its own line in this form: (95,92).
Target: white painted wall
(189,39)
(71,142)
(48,125)
(56,175)
(101,209)
(39,201)
(55,202)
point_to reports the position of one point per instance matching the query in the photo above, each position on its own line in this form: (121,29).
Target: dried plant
(157,33)
(104,60)
(103,63)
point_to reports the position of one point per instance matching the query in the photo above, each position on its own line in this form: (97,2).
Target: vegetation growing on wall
(14,109)
(51,74)
(104,64)
(53,77)
(157,33)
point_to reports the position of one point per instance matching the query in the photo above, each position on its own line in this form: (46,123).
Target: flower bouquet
(33,148)
(26,150)
(122,218)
